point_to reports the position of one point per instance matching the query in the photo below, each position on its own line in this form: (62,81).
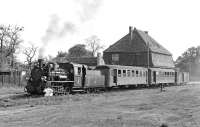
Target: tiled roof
(125,45)
(90,61)
(153,44)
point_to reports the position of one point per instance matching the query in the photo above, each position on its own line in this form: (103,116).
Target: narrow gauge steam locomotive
(70,76)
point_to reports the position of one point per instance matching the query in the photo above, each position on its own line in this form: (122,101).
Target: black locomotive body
(46,75)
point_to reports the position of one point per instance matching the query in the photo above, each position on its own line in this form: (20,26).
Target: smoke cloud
(56,29)
(88,8)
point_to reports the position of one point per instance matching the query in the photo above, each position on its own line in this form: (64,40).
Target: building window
(115,57)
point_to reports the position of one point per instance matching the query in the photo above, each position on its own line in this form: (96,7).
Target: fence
(13,78)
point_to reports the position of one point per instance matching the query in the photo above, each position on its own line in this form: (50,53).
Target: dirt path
(178,106)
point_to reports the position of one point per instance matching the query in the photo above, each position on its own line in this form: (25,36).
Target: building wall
(129,59)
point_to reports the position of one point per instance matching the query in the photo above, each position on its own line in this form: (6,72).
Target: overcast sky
(60,24)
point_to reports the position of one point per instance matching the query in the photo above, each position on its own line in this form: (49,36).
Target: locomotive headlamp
(43,78)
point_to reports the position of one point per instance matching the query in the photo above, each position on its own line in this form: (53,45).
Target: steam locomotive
(47,74)
(65,77)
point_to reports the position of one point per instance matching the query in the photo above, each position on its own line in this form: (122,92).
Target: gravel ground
(177,106)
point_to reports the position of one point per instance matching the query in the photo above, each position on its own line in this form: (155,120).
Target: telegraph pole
(148,63)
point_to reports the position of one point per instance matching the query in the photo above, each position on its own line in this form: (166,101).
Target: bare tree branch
(94,45)
(30,53)
(9,39)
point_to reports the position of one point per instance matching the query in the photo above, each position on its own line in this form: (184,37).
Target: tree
(30,53)
(62,54)
(185,61)
(9,40)
(94,45)
(79,50)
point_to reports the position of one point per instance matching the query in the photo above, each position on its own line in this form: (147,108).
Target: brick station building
(133,50)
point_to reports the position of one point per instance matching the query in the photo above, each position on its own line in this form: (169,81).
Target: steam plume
(88,9)
(55,31)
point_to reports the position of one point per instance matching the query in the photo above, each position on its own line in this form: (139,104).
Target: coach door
(149,76)
(154,76)
(77,76)
(115,76)
(176,78)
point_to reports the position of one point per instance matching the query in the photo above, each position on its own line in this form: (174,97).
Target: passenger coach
(116,75)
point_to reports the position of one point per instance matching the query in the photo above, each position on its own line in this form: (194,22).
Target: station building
(138,48)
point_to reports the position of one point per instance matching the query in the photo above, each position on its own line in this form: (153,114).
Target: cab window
(79,70)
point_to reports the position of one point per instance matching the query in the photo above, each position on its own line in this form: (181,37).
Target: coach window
(124,73)
(128,73)
(133,73)
(119,73)
(144,74)
(136,73)
(112,72)
(140,73)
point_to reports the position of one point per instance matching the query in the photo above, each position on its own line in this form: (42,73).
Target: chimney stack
(131,32)
(100,60)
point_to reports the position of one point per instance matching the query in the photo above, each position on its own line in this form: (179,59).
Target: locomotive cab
(75,73)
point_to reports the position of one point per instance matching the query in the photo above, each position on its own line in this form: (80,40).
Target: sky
(57,25)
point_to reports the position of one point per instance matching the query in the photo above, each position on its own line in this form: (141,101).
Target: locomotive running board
(60,81)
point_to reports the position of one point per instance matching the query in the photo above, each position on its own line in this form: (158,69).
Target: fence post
(2,79)
(19,74)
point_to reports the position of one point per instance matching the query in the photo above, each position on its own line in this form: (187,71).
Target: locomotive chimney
(40,61)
